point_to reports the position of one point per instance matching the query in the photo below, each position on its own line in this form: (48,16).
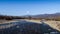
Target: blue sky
(29,7)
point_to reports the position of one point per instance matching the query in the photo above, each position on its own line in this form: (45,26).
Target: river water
(25,27)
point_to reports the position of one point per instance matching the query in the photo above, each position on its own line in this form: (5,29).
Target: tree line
(10,17)
(29,17)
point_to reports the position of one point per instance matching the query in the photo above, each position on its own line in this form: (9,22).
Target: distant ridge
(47,15)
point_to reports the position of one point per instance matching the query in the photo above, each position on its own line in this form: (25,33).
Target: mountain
(55,15)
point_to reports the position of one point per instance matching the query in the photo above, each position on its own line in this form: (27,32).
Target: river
(25,27)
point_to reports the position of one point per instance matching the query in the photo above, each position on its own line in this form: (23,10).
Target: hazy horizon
(29,7)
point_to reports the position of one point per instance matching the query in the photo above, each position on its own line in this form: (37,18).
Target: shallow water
(24,27)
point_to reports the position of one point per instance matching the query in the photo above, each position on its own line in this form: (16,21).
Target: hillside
(55,16)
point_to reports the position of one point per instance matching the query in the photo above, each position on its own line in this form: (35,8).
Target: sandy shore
(53,24)
(7,21)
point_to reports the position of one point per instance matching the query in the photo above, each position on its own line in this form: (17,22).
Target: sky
(29,7)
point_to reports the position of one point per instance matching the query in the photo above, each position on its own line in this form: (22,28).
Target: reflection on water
(29,28)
